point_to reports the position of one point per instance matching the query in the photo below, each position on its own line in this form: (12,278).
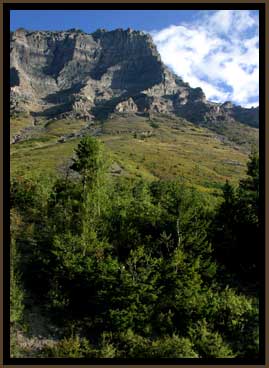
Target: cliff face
(89,76)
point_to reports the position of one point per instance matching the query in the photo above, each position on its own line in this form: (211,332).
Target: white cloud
(218,52)
(224,21)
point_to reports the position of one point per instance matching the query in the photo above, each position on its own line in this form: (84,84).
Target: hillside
(133,205)
(162,147)
(113,85)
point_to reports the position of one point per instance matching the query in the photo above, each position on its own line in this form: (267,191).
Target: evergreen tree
(125,268)
(16,288)
(236,235)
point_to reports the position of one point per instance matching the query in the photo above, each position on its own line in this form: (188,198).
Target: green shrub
(208,343)
(16,291)
(73,347)
(155,125)
(172,347)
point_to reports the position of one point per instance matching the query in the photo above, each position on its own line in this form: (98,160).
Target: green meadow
(162,147)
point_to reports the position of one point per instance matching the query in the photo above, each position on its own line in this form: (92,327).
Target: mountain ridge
(73,74)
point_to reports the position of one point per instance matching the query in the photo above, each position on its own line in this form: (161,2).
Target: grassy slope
(173,148)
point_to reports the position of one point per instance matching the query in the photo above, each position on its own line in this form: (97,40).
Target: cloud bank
(218,51)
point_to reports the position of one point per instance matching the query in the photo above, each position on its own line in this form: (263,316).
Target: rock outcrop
(89,76)
(127,106)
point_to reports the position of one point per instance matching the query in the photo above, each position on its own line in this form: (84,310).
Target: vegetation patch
(132,267)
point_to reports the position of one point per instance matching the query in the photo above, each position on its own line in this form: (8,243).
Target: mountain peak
(72,73)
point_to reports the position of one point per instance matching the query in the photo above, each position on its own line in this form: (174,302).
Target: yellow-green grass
(174,149)
(62,127)
(45,136)
(125,123)
(45,129)
(17,124)
(195,160)
(191,152)
(46,159)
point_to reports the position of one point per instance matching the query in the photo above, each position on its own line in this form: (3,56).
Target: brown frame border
(266,2)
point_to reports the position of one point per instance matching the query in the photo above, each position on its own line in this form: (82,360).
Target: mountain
(125,241)
(72,74)
(113,85)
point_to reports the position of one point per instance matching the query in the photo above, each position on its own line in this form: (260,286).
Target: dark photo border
(7,6)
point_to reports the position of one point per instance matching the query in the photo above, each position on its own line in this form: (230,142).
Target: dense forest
(134,269)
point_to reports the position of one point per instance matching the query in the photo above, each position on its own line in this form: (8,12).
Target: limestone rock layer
(89,76)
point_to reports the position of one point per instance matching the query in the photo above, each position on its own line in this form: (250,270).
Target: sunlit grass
(160,147)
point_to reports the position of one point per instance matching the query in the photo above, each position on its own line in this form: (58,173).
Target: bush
(172,347)
(238,320)
(136,346)
(154,125)
(73,347)
(128,263)
(208,343)
(16,292)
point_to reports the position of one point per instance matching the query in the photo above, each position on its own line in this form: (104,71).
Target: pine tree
(236,235)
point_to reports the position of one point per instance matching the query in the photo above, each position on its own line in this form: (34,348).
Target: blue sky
(215,50)
(90,20)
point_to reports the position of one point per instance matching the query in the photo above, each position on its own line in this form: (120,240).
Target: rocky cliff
(89,76)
